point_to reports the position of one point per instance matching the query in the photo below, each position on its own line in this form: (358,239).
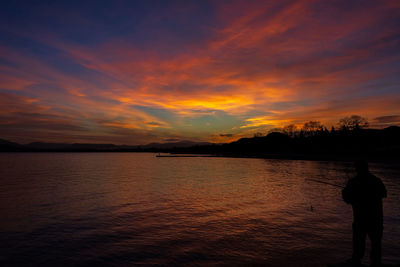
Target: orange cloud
(266,64)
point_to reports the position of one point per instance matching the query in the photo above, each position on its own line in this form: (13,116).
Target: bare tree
(353,122)
(312,127)
(290,130)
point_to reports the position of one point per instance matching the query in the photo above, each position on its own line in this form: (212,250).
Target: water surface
(123,209)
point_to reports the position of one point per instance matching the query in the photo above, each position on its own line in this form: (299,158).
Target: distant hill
(180,144)
(43,146)
(10,146)
(322,144)
(70,147)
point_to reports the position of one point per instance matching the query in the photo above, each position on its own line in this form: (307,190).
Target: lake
(124,209)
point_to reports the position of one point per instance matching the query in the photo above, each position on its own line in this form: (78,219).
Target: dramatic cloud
(226,135)
(388,119)
(134,73)
(385,121)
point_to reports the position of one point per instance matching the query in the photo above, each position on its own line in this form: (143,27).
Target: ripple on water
(119,209)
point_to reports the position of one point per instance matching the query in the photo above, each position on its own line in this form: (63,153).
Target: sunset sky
(134,72)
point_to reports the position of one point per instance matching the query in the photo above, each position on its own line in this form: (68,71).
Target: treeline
(350,138)
(311,128)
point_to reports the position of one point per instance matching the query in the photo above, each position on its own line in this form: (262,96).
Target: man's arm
(347,193)
(383,191)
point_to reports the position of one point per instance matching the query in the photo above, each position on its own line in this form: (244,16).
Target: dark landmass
(7,146)
(319,145)
(10,146)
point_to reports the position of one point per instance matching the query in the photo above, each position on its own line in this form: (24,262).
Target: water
(124,209)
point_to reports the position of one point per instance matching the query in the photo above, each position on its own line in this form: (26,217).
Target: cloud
(172,140)
(250,67)
(226,135)
(388,119)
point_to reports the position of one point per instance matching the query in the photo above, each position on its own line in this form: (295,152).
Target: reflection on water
(119,209)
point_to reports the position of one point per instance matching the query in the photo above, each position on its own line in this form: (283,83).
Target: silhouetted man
(365,192)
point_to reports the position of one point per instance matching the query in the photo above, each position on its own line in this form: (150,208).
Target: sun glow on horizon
(204,71)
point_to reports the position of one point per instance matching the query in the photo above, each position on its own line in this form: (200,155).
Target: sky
(134,72)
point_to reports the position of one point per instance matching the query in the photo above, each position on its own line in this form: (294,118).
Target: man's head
(361,166)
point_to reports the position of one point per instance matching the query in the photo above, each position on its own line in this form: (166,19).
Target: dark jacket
(365,193)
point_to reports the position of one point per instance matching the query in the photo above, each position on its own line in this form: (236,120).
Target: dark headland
(319,144)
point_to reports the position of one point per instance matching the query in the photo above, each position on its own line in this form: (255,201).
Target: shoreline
(309,157)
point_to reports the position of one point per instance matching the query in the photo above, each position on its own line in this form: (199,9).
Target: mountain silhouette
(321,144)
(7,146)
(11,146)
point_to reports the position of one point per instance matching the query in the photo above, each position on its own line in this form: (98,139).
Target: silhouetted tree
(301,133)
(275,130)
(311,128)
(353,122)
(258,134)
(290,130)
